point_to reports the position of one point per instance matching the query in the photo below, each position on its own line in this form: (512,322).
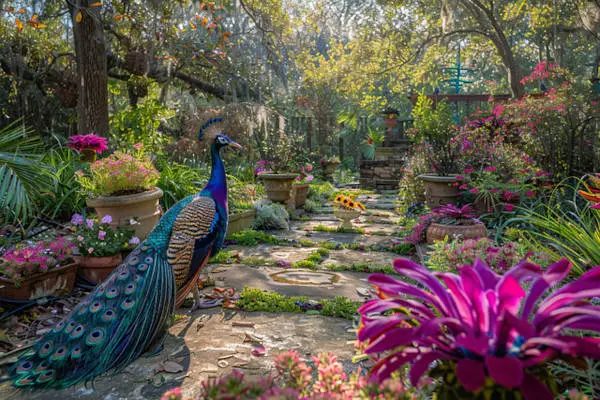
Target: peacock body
(130,312)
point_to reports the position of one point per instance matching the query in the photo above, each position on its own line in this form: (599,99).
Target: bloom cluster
(348,203)
(88,142)
(119,173)
(482,328)
(97,238)
(19,262)
(294,381)
(446,215)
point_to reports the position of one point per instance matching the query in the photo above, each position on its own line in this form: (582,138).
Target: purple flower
(485,324)
(134,241)
(90,223)
(107,219)
(76,219)
(309,178)
(451,211)
(101,235)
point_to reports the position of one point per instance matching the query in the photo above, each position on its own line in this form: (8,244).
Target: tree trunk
(90,54)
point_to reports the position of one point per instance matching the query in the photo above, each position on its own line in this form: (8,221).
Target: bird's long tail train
(125,316)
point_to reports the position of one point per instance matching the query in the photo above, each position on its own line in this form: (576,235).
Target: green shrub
(320,192)
(179,181)
(271,216)
(251,237)
(310,206)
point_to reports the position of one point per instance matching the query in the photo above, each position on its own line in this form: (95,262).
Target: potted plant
(434,127)
(347,209)
(242,213)
(100,245)
(123,186)
(448,221)
(301,185)
(329,163)
(31,271)
(89,146)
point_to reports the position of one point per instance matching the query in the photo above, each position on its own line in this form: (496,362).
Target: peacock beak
(235,144)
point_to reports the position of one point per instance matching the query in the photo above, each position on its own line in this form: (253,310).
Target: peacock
(129,313)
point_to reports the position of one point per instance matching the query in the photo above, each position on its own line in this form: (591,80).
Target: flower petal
(507,371)
(555,273)
(533,389)
(391,339)
(384,368)
(470,374)
(421,365)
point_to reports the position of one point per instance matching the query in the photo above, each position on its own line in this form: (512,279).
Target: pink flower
(88,142)
(468,170)
(101,235)
(509,207)
(474,190)
(90,250)
(459,177)
(490,169)
(595,206)
(309,178)
(90,223)
(138,146)
(464,186)
(309,167)
(80,238)
(530,193)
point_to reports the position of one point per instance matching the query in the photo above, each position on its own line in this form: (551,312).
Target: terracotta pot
(278,187)
(142,206)
(56,281)
(439,190)
(88,155)
(97,269)
(346,216)
(437,232)
(240,221)
(299,194)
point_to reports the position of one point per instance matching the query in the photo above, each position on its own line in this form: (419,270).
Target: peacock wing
(192,238)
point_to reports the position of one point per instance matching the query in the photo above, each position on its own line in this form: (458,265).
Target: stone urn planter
(144,207)
(299,194)
(329,168)
(439,190)
(473,230)
(240,221)
(57,281)
(97,269)
(346,216)
(278,187)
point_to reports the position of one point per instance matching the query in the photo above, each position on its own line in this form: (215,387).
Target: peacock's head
(210,131)
(223,141)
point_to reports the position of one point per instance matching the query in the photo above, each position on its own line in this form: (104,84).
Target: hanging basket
(136,62)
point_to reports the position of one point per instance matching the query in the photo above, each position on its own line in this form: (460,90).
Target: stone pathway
(210,343)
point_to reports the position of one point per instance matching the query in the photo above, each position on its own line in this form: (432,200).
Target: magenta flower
(101,235)
(76,219)
(107,219)
(487,324)
(490,169)
(88,142)
(89,223)
(451,211)
(309,178)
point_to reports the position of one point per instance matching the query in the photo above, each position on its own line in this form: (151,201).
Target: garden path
(210,343)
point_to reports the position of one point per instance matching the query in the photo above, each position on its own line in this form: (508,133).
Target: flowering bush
(98,239)
(445,215)
(329,160)
(484,330)
(449,256)
(31,259)
(119,174)
(305,175)
(294,381)
(88,142)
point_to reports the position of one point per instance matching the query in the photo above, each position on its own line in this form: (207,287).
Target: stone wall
(385,171)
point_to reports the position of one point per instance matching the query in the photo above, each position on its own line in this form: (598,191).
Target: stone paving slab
(197,342)
(344,238)
(388,229)
(292,281)
(273,253)
(354,257)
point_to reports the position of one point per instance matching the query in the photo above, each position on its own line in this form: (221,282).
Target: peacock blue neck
(217,184)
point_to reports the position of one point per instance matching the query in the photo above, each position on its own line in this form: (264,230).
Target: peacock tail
(111,327)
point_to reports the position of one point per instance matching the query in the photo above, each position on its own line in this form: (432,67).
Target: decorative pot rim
(437,178)
(245,213)
(342,210)
(301,185)
(62,268)
(278,177)
(108,201)
(117,255)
